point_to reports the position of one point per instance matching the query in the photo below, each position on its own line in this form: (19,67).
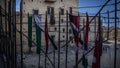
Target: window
(55,29)
(50,10)
(61,0)
(63,36)
(70,31)
(52,17)
(53,37)
(24,2)
(62,20)
(70,37)
(70,9)
(63,29)
(62,11)
(35,11)
(32,0)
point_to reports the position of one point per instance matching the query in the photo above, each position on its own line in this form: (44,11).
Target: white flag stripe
(74,26)
(38,20)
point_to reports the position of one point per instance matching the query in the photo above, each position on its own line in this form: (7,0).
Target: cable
(96,6)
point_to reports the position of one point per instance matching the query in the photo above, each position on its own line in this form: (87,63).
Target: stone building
(111,33)
(32,7)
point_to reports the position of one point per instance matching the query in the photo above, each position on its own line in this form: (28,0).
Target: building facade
(54,7)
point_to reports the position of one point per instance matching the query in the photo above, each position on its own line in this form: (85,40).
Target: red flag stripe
(96,56)
(46,33)
(86,31)
(77,26)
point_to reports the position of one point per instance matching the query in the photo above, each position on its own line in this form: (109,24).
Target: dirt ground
(107,58)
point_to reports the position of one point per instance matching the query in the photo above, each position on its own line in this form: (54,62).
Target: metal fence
(64,57)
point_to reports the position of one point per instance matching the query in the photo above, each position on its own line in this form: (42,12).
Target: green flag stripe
(29,31)
(38,39)
(84,62)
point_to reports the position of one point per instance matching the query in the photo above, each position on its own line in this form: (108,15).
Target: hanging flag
(96,56)
(75,26)
(38,23)
(38,32)
(38,20)
(29,31)
(84,59)
(46,33)
(86,32)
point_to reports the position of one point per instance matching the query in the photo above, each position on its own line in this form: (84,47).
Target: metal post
(21,34)
(9,30)
(14,31)
(99,32)
(59,42)
(66,39)
(46,45)
(115,52)
(108,25)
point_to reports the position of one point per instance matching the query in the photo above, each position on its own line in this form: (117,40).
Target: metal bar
(9,31)
(14,31)
(6,49)
(15,34)
(21,34)
(46,45)
(115,51)
(59,42)
(108,25)
(54,58)
(99,32)
(66,40)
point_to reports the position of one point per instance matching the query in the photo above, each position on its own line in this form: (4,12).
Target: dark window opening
(52,17)
(62,20)
(71,41)
(70,37)
(35,11)
(55,29)
(50,10)
(53,37)
(32,0)
(63,30)
(62,11)
(70,31)
(63,36)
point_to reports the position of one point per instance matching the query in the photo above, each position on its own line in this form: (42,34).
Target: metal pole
(66,39)
(15,34)
(115,52)
(9,26)
(21,34)
(2,51)
(108,25)
(99,31)
(59,43)
(14,31)
(46,45)
(5,44)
